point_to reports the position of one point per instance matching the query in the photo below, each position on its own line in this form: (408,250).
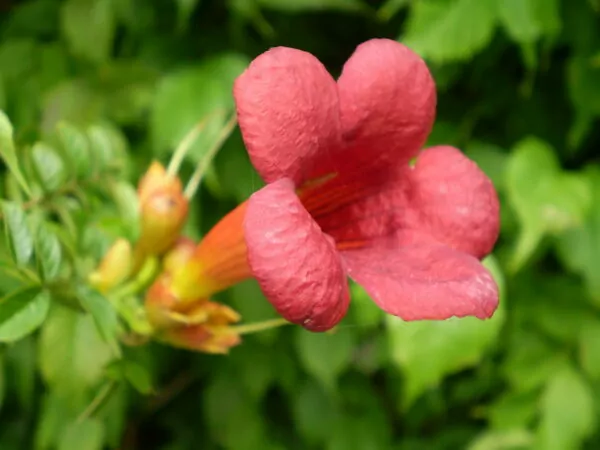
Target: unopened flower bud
(163,210)
(114,268)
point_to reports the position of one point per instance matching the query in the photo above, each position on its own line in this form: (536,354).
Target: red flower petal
(387,101)
(419,281)
(296,265)
(455,201)
(288,111)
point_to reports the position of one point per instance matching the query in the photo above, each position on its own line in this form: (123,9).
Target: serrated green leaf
(49,166)
(18,234)
(87,434)
(568,413)
(89,27)
(325,355)
(22,312)
(546,199)
(8,153)
(104,315)
(312,5)
(176,111)
(427,351)
(450,30)
(75,147)
(48,252)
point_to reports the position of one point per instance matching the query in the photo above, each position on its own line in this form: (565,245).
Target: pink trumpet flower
(350,193)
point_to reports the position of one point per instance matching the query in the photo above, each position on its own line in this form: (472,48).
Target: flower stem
(146,274)
(194,182)
(186,143)
(97,402)
(259,326)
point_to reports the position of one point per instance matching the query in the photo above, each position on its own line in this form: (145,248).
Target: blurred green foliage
(95,89)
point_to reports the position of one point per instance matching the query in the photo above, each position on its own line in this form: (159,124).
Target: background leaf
(18,234)
(8,153)
(22,313)
(448,30)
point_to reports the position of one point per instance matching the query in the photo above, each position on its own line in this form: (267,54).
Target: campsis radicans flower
(350,193)
(194,324)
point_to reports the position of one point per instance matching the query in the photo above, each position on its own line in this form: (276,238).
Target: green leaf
(75,148)
(325,355)
(390,8)
(8,153)
(48,252)
(126,199)
(22,312)
(518,18)
(104,315)
(546,199)
(516,439)
(185,8)
(55,414)
(490,158)
(49,166)
(363,312)
(18,234)
(107,146)
(582,83)
(568,413)
(450,30)
(72,100)
(314,413)
(176,110)
(530,362)
(232,418)
(312,5)
(2,381)
(72,355)
(427,351)
(514,410)
(21,363)
(589,349)
(257,365)
(526,21)
(89,27)
(138,376)
(87,434)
